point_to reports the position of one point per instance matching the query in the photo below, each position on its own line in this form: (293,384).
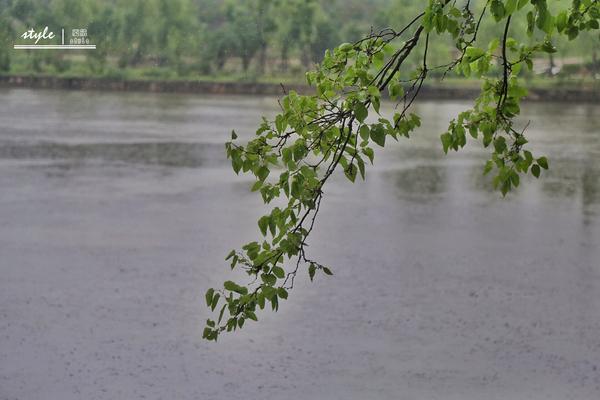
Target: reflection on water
(574,179)
(169,154)
(590,184)
(422,183)
(420,169)
(567,179)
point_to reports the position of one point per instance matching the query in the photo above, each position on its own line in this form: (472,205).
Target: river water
(116,211)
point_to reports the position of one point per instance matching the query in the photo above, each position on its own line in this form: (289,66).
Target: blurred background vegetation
(224,40)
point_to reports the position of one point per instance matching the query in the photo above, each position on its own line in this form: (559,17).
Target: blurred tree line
(170,38)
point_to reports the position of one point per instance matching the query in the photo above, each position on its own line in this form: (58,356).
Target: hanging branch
(314,136)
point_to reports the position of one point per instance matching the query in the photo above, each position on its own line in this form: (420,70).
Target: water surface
(116,211)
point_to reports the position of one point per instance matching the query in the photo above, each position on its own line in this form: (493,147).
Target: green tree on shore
(222,37)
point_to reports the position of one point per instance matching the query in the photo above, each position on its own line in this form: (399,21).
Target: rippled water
(116,211)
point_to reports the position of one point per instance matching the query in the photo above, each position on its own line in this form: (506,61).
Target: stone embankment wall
(201,87)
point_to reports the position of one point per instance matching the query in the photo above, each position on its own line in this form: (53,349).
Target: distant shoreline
(556,94)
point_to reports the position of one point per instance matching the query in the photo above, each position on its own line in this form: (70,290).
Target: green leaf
(236,163)
(514,178)
(327,271)
(535,170)
(262,173)
(378,134)
(260,300)
(263,224)
(493,45)
(361,167)
(311,271)
(257,185)
(364,132)
(296,188)
(500,144)
(360,112)
(299,151)
(269,279)
(529,64)
(510,6)
(350,172)
(273,225)
(369,153)
(229,285)
(278,272)
(231,254)
(208,296)
(473,131)
(373,90)
(281,292)
(561,21)
(543,162)
(446,139)
(345,47)
(250,315)
(544,20)
(474,53)
(396,90)
(415,120)
(376,104)
(530,23)
(497,9)
(488,167)
(206,334)
(221,313)
(521,140)
(280,123)
(233,135)
(505,187)
(215,301)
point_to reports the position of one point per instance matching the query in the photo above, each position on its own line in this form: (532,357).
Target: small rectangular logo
(39,40)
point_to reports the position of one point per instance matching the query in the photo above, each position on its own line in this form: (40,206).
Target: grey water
(117,209)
